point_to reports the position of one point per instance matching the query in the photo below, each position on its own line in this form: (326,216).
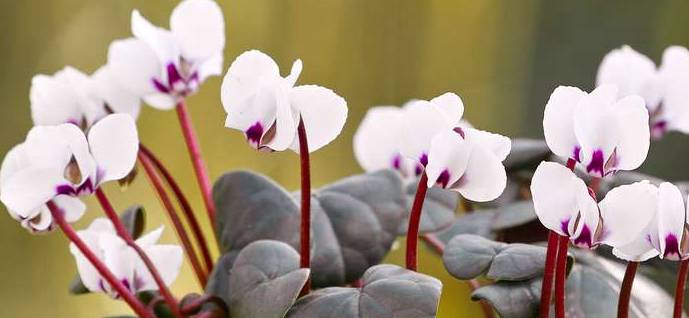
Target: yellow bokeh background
(502,57)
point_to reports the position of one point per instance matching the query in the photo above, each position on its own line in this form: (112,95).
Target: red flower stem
(438,245)
(127,237)
(196,159)
(548,273)
(626,291)
(414,220)
(174,218)
(105,273)
(184,204)
(561,276)
(679,290)
(305,230)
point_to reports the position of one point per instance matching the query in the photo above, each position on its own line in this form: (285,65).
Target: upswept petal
(114,143)
(117,98)
(451,106)
(633,133)
(422,121)
(53,102)
(161,41)
(448,159)
(626,212)
(558,122)
(166,258)
(632,72)
(499,145)
(485,177)
(377,140)
(555,190)
(134,65)
(639,250)
(324,114)
(199,28)
(671,221)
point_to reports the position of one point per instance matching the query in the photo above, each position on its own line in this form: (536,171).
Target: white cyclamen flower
(267,108)
(60,163)
(663,88)
(123,261)
(666,233)
(456,156)
(596,129)
(564,205)
(71,96)
(163,65)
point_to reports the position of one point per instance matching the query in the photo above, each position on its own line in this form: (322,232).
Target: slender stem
(305,238)
(679,290)
(626,291)
(414,220)
(437,245)
(174,218)
(196,159)
(105,273)
(548,272)
(561,276)
(196,304)
(127,237)
(184,204)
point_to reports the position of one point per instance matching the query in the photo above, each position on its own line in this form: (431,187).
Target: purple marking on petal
(125,282)
(160,86)
(658,129)
(172,75)
(577,154)
(423,159)
(460,131)
(418,169)
(443,178)
(254,134)
(65,189)
(671,247)
(101,285)
(597,162)
(397,162)
(564,226)
(86,188)
(584,239)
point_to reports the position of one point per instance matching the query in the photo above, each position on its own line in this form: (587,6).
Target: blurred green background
(503,57)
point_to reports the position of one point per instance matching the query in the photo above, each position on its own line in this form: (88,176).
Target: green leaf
(512,299)
(354,221)
(388,291)
(134,220)
(438,210)
(265,280)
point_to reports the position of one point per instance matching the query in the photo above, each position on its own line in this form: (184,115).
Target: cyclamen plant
(320,256)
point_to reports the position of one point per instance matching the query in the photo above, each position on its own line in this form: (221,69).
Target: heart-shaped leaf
(354,221)
(526,153)
(512,299)
(134,220)
(469,256)
(438,210)
(388,291)
(265,280)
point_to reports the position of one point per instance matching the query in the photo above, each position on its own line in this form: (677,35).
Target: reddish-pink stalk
(174,218)
(305,229)
(414,220)
(474,284)
(548,273)
(127,237)
(196,159)
(679,289)
(105,273)
(626,290)
(184,204)
(561,276)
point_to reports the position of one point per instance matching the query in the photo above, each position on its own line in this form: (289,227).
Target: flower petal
(134,65)
(324,114)
(114,144)
(627,211)
(632,72)
(73,208)
(210,67)
(161,41)
(160,101)
(56,146)
(583,231)
(422,121)
(674,74)
(499,145)
(118,98)
(166,258)
(671,220)
(484,178)
(150,238)
(639,250)
(448,159)
(451,106)
(377,141)
(294,72)
(199,28)
(555,190)
(53,102)
(558,122)
(633,131)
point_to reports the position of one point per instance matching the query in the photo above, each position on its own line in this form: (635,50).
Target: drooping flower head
(565,205)
(267,107)
(455,156)
(70,96)
(61,163)
(604,133)
(163,65)
(665,234)
(123,260)
(663,88)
